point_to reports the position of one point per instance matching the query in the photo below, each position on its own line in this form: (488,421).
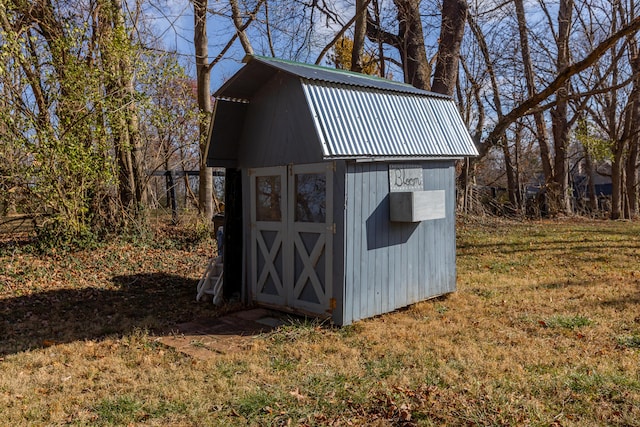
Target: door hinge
(332,228)
(332,304)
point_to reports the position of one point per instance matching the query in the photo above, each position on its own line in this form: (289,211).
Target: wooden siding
(391,265)
(339,215)
(225,133)
(278,128)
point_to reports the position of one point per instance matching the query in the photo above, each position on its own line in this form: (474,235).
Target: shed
(340,195)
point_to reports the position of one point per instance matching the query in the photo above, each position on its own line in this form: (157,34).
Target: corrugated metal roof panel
(368,122)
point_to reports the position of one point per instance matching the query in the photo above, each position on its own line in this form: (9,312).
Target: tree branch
(525,108)
(239,30)
(341,32)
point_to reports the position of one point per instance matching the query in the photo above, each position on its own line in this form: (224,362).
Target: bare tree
(560,190)
(203,71)
(631,129)
(512,187)
(205,105)
(533,103)
(454,16)
(613,107)
(538,116)
(632,118)
(409,42)
(359,35)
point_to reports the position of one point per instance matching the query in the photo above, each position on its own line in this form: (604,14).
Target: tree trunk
(462,203)
(203,72)
(409,41)
(379,41)
(359,34)
(617,167)
(123,115)
(624,200)
(240,27)
(517,150)
(416,67)
(510,172)
(560,190)
(133,132)
(622,167)
(633,132)
(616,185)
(454,16)
(632,177)
(541,126)
(591,186)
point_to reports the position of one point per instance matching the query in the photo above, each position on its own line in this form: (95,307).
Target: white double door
(291,236)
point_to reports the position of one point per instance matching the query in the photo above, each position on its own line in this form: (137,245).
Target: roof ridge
(330,69)
(341,76)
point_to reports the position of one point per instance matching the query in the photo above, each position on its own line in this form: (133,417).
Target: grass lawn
(543,330)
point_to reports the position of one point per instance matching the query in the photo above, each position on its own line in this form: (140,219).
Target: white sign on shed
(405,178)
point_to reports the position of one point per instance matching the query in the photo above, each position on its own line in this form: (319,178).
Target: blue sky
(174,26)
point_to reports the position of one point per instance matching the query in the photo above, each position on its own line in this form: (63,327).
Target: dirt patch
(207,337)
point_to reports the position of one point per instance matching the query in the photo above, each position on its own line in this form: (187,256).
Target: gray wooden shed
(340,195)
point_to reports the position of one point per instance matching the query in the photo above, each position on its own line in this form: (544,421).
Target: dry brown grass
(544,330)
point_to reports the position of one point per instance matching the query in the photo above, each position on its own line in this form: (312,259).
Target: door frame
(289,241)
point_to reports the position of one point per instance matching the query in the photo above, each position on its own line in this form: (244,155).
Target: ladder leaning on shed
(211,281)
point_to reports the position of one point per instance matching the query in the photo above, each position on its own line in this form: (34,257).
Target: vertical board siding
(354,210)
(362,295)
(382,256)
(389,265)
(339,254)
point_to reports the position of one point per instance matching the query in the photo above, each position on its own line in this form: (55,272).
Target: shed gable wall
(389,265)
(278,128)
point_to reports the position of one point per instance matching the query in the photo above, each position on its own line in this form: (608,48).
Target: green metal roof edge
(395,85)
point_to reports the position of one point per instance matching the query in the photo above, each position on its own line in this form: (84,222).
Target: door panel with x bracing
(267,189)
(292,227)
(311,233)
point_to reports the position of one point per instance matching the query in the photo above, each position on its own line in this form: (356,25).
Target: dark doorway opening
(233,222)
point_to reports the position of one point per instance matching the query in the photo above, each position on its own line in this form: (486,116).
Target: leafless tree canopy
(97,95)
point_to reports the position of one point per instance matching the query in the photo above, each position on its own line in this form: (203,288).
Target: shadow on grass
(624,303)
(152,301)
(566,284)
(561,246)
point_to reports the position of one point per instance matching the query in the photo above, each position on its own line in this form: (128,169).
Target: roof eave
(372,159)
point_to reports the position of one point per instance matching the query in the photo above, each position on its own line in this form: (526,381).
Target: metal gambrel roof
(356,115)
